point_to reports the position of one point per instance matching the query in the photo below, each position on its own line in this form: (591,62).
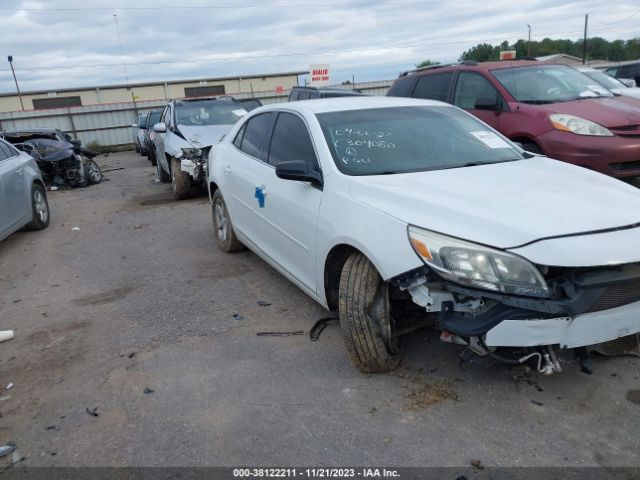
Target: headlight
(577,125)
(192,153)
(477,266)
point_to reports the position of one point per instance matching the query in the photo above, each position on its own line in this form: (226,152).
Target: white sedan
(397,213)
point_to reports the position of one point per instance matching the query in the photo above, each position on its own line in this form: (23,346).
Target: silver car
(23,198)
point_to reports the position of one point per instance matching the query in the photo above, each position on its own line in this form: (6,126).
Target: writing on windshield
(409,139)
(213,112)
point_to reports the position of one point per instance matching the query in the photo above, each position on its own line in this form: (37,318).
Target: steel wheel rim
(221,221)
(93,171)
(40,205)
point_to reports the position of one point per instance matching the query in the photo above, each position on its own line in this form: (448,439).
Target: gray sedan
(23,198)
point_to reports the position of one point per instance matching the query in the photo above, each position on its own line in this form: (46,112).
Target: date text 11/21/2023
(322,472)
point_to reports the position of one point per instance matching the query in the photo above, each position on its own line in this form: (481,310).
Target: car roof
(324,105)
(486,66)
(29,130)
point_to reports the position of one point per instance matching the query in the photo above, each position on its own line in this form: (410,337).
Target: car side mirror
(486,103)
(297,170)
(160,127)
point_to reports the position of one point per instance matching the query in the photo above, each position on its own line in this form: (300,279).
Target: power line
(619,21)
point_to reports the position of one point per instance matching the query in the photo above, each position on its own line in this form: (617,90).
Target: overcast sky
(74,43)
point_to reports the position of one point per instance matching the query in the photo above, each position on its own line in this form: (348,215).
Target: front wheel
(92,172)
(162,175)
(365,317)
(40,208)
(222,226)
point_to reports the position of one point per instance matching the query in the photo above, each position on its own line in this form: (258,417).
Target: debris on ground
(6,335)
(634,396)
(53,188)
(7,448)
(262,303)
(147,390)
(94,412)
(75,229)
(536,402)
(319,326)
(52,427)
(237,316)
(131,354)
(477,464)
(6,397)
(9,386)
(280,334)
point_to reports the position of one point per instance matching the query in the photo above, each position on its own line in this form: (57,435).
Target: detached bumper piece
(568,332)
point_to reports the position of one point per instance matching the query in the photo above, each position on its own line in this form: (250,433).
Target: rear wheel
(40,208)
(365,317)
(222,226)
(180,181)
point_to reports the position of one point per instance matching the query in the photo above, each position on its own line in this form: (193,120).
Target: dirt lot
(141,298)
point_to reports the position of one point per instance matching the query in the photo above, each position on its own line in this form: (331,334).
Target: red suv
(550,109)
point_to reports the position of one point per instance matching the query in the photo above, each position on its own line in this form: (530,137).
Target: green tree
(427,63)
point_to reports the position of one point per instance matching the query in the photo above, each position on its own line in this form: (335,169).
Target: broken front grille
(617,295)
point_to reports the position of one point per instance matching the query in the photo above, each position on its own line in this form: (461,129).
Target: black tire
(222,226)
(40,208)
(137,148)
(92,172)
(363,305)
(180,181)
(151,156)
(163,176)
(532,148)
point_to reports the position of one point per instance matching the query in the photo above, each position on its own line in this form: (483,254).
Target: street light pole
(10,58)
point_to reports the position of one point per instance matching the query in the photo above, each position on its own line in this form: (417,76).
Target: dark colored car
(550,109)
(630,70)
(62,160)
(152,118)
(309,93)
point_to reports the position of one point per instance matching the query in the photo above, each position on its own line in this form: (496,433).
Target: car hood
(609,112)
(628,92)
(204,135)
(506,204)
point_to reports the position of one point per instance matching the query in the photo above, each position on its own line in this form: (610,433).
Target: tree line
(597,49)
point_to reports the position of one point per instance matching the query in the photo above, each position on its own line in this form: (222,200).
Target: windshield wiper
(537,102)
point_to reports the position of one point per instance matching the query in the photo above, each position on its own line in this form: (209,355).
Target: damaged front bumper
(586,307)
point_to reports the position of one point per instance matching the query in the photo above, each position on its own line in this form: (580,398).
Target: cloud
(371,40)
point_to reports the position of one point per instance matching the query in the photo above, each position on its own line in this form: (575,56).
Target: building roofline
(158,83)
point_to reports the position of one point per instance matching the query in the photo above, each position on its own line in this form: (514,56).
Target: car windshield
(411,139)
(209,112)
(549,84)
(605,80)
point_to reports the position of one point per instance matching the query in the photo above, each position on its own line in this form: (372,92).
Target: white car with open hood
(400,213)
(184,135)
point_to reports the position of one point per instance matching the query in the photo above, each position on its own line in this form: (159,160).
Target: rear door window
(433,87)
(257,134)
(402,87)
(294,95)
(472,86)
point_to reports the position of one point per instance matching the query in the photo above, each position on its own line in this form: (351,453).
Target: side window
(470,88)
(294,95)
(433,87)
(257,134)
(402,87)
(304,96)
(238,140)
(291,141)
(4,154)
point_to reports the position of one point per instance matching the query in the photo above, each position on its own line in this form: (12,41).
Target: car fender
(174,144)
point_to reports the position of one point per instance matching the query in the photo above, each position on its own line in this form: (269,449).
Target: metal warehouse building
(141,92)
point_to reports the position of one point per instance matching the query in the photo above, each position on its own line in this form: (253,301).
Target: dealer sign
(319,74)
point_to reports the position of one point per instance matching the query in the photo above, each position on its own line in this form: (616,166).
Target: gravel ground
(141,298)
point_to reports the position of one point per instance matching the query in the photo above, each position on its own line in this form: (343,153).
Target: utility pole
(10,58)
(529,42)
(584,41)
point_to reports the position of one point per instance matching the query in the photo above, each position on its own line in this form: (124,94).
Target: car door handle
(227,169)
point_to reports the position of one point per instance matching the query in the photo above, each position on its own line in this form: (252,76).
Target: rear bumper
(568,332)
(616,156)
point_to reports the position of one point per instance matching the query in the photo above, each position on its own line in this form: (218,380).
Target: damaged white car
(184,135)
(399,213)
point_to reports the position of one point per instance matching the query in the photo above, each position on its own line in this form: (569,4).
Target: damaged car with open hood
(398,214)
(184,135)
(62,160)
